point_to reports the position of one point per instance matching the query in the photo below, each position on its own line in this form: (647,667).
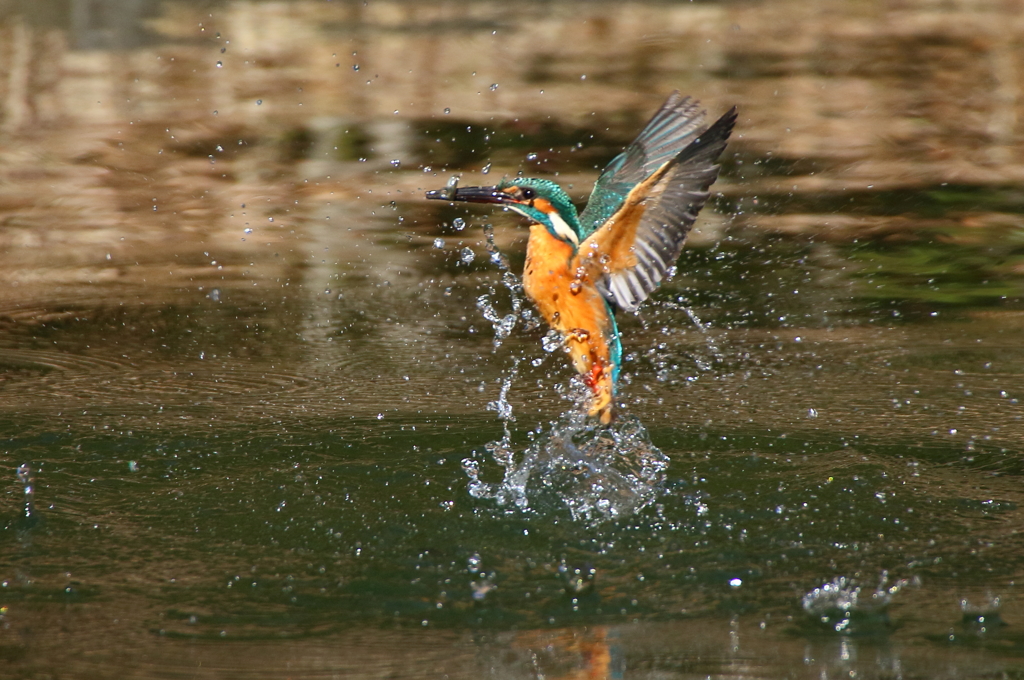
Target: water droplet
(466,255)
(259,102)
(248,230)
(494,86)
(531,156)
(380,416)
(396,162)
(447,110)
(481,589)
(736,582)
(486,169)
(355,67)
(439,243)
(220,64)
(812,413)
(458,224)
(473,564)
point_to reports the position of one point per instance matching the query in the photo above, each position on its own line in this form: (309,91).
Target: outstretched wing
(668,131)
(629,255)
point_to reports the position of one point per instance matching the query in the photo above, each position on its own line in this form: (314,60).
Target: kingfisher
(583,267)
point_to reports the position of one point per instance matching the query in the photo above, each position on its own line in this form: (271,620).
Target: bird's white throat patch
(562,228)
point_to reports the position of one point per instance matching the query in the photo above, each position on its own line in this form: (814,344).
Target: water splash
(703,364)
(25,479)
(705,329)
(503,324)
(28,518)
(598,472)
(846,607)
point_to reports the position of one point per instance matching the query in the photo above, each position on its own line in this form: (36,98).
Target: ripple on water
(106,380)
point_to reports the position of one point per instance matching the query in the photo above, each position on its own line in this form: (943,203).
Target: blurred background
(242,360)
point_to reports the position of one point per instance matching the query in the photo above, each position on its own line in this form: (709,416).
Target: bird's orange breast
(572,305)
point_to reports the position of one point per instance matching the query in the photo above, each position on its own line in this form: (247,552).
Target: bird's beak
(471,195)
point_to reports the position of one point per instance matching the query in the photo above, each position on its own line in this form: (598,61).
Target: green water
(246,472)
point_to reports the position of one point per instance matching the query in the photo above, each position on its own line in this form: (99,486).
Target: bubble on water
(458,224)
(466,255)
(447,110)
(473,563)
(259,102)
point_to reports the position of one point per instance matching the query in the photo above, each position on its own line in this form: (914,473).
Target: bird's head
(539,200)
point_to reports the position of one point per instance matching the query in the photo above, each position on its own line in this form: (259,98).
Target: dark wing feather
(669,209)
(663,137)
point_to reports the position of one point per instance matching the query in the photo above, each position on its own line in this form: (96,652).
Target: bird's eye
(527,192)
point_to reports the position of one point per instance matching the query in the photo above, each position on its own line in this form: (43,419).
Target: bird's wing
(628,256)
(668,131)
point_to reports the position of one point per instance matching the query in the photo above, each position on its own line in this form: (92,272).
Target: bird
(583,267)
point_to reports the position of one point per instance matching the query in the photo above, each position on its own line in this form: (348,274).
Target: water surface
(244,366)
